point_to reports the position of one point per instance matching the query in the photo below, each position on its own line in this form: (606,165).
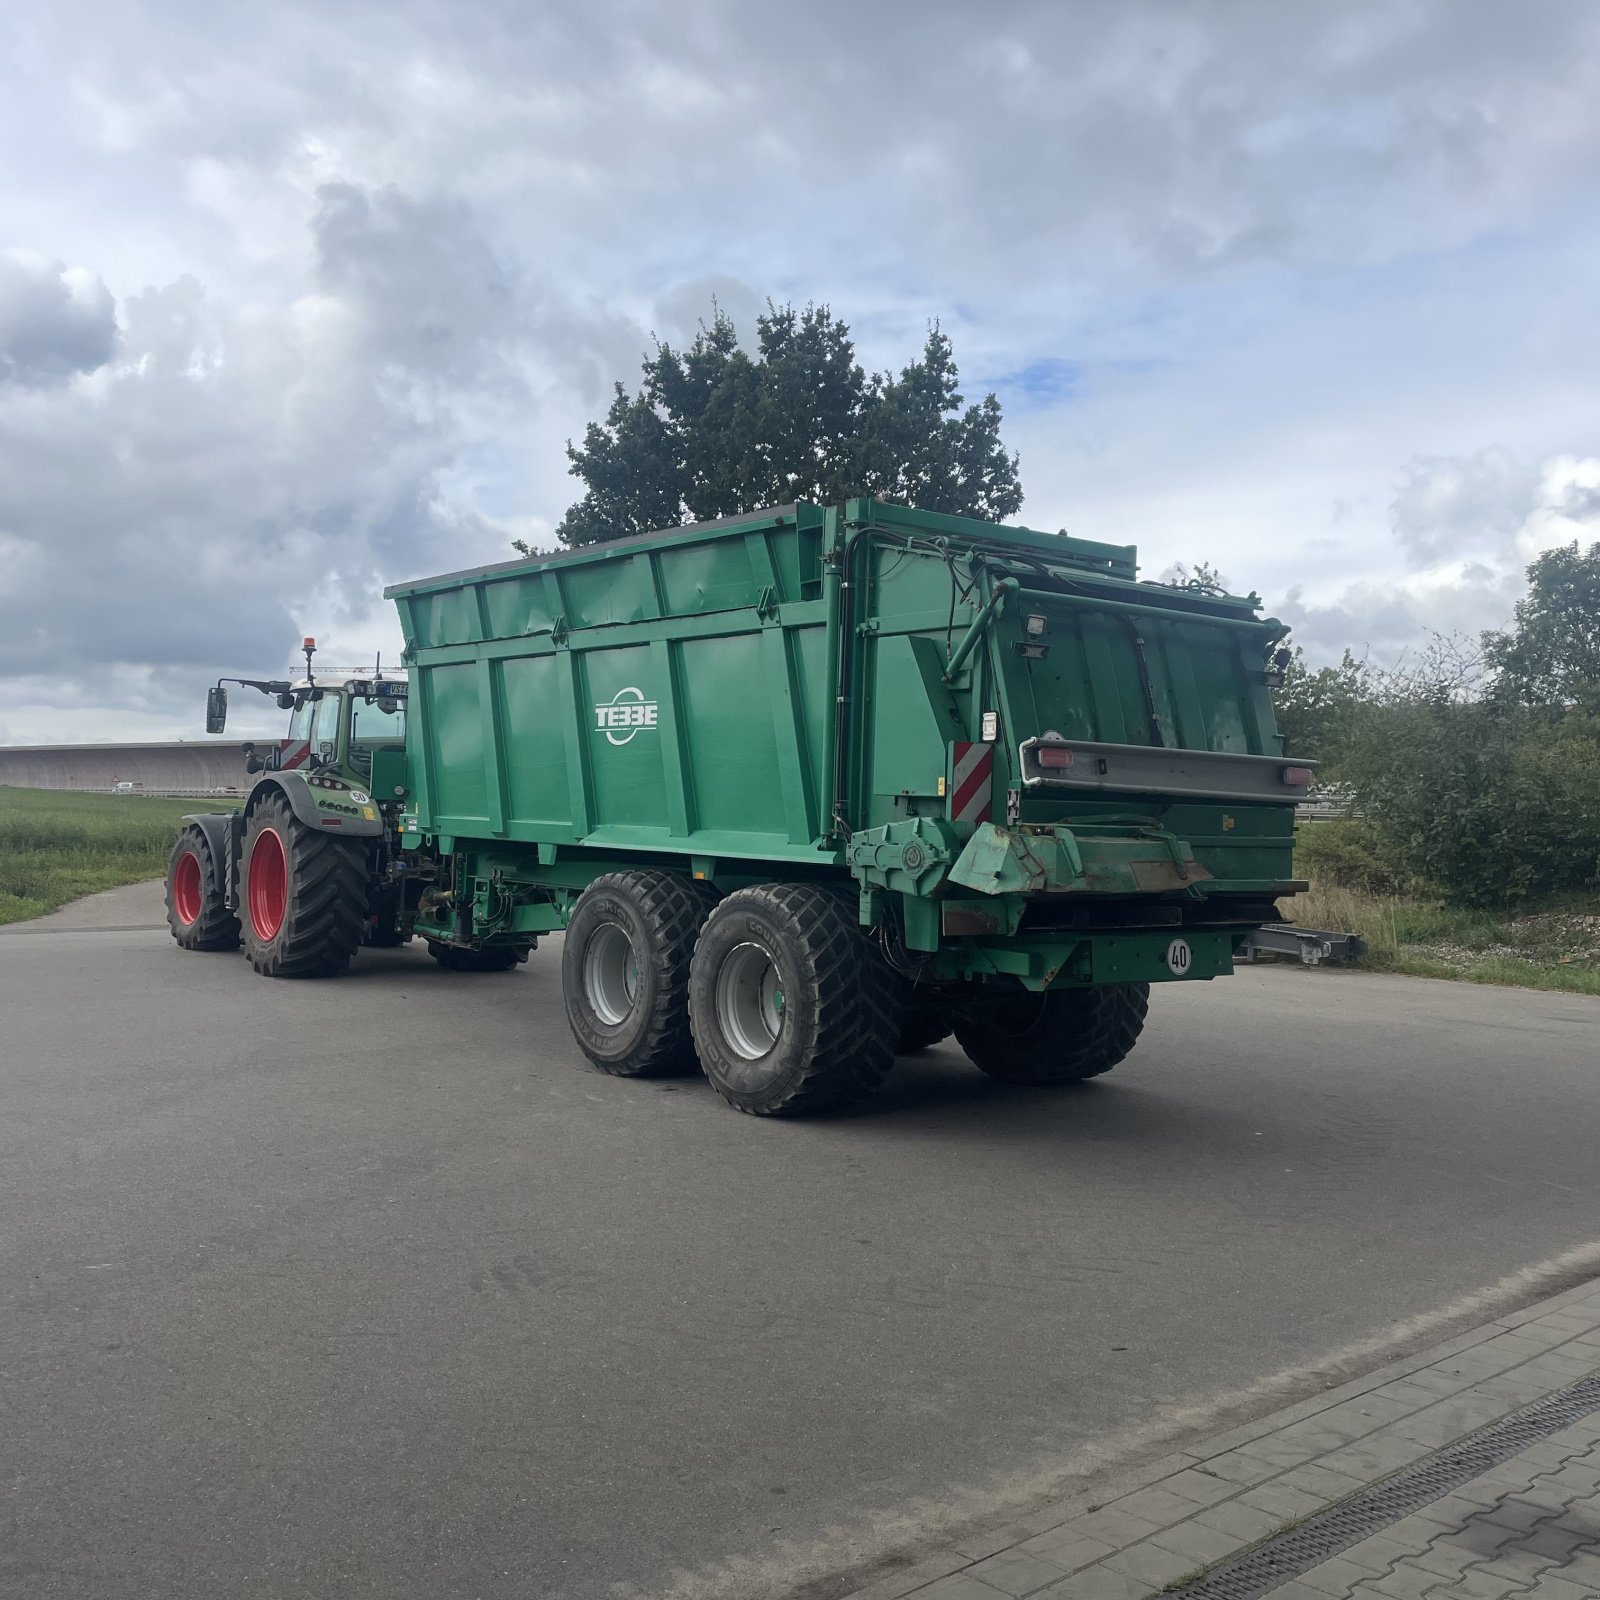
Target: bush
(1347,854)
(1491,804)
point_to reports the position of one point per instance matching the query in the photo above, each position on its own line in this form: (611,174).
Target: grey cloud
(1142,136)
(54,322)
(435,300)
(234,467)
(1448,507)
(404,248)
(1386,623)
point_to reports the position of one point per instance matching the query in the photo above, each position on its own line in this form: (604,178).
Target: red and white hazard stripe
(973,783)
(292,753)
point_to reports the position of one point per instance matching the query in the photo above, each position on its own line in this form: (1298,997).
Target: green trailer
(812,785)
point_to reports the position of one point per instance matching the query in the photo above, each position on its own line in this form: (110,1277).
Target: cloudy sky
(300,299)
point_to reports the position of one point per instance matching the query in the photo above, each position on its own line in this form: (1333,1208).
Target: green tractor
(310,868)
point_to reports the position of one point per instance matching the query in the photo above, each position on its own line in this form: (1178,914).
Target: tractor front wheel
(305,895)
(197,911)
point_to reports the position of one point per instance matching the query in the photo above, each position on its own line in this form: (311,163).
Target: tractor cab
(337,723)
(340,725)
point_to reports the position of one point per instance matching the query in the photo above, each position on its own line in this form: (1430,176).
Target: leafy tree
(1315,709)
(713,431)
(1551,655)
(1485,802)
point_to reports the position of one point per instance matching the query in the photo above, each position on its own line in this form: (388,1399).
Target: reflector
(1298,777)
(1053,755)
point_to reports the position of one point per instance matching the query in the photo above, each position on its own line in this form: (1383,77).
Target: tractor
(310,868)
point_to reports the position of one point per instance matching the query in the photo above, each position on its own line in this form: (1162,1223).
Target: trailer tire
(304,898)
(490,958)
(924,1024)
(1060,1036)
(625,971)
(794,1009)
(197,911)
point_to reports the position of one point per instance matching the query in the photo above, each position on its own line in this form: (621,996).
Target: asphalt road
(372,1288)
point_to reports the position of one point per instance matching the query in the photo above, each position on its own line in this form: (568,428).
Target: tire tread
(1104,1026)
(217,927)
(326,915)
(858,998)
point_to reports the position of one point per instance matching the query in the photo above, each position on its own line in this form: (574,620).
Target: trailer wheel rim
(267,886)
(750,1001)
(186,888)
(611,974)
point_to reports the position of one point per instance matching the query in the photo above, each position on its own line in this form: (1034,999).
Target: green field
(56,845)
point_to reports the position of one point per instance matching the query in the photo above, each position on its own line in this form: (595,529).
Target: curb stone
(1157,1527)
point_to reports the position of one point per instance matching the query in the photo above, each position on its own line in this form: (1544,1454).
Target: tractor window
(371,723)
(300,721)
(325,727)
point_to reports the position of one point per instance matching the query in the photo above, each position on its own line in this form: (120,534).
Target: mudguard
(223,830)
(348,820)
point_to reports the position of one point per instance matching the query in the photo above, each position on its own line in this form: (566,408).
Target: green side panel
(461,796)
(619,591)
(809,657)
(727,704)
(448,616)
(517,606)
(905,746)
(625,756)
(536,762)
(708,577)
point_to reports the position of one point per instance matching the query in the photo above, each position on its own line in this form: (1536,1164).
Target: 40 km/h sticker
(1179,956)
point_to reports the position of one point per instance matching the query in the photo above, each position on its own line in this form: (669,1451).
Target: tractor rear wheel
(794,1009)
(625,971)
(197,911)
(305,895)
(1060,1036)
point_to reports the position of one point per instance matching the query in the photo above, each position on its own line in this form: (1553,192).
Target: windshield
(374,722)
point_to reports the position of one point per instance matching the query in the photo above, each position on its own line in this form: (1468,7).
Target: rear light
(1297,777)
(1053,755)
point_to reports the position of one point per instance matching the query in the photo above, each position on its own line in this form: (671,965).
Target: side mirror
(216,709)
(252,762)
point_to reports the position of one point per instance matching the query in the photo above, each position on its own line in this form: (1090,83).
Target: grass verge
(1554,947)
(56,845)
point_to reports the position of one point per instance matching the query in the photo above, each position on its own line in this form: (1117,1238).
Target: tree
(1551,656)
(714,431)
(1315,709)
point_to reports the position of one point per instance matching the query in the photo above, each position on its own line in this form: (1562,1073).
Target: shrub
(1347,854)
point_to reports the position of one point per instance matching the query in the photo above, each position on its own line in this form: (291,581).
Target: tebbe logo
(625,714)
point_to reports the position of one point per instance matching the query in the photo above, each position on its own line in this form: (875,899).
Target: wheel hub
(611,974)
(267,884)
(750,1001)
(186,895)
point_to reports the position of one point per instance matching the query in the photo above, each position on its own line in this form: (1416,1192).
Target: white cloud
(1567,509)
